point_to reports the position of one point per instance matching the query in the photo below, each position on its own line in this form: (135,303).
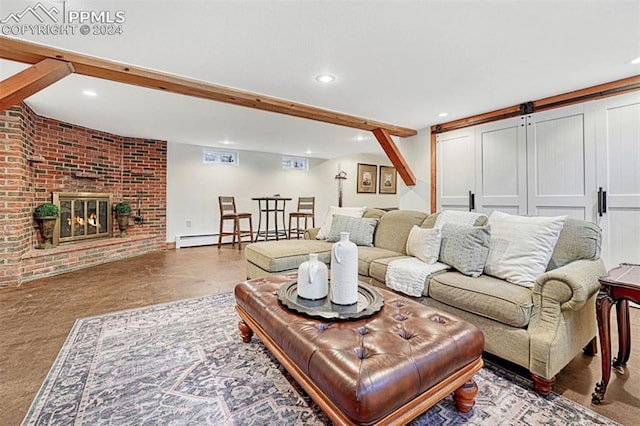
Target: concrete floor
(36,317)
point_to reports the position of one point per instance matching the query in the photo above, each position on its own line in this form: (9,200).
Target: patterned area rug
(183,363)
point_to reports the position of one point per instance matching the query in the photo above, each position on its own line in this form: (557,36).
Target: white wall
(350,195)
(417,152)
(193,187)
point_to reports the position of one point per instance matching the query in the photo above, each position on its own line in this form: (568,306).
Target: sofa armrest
(310,234)
(563,320)
(571,285)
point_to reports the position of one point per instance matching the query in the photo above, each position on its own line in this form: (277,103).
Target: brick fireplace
(84,171)
(83,216)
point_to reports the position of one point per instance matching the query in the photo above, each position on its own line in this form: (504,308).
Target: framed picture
(367,178)
(212,156)
(388,180)
(295,163)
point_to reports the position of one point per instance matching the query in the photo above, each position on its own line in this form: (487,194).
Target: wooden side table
(618,287)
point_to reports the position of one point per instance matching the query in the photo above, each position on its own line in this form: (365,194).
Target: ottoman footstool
(387,368)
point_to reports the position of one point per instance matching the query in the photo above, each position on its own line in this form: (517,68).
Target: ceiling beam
(31,53)
(394,154)
(20,86)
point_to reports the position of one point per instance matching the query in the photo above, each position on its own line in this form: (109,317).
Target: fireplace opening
(83,216)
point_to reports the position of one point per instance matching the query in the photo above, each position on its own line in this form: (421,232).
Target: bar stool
(228,212)
(306,211)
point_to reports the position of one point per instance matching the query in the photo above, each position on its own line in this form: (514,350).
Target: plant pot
(46,224)
(123,223)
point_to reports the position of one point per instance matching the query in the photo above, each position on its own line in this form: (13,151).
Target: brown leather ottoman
(387,368)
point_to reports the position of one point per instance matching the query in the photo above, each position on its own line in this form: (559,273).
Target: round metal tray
(369,302)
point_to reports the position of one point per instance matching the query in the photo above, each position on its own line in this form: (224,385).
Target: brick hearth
(44,263)
(38,156)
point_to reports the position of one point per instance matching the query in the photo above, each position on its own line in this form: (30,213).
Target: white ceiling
(400,62)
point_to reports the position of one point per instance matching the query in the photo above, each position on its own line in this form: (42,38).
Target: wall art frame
(388,180)
(367,180)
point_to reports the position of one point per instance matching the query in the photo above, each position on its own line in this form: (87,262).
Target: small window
(295,163)
(212,156)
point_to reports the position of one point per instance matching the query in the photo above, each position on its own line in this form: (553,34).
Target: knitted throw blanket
(410,275)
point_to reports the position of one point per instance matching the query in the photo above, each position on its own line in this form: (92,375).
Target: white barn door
(561,163)
(618,165)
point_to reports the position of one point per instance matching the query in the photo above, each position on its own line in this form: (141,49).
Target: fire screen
(83,215)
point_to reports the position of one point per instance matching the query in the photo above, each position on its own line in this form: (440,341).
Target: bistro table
(267,207)
(618,287)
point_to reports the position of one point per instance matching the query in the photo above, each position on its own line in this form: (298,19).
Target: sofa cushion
(394,227)
(490,297)
(430,221)
(368,254)
(521,246)
(465,247)
(578,240)
(378,267)
(372,213)
(277,256)
(360,229)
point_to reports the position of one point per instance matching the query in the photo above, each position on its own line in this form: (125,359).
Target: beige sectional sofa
(540,328)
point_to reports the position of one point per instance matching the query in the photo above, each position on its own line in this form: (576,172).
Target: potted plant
(46,215)
(122,211)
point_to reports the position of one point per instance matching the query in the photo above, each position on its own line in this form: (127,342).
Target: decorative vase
(344,271)
(46,224)
(123,223)
(312,279)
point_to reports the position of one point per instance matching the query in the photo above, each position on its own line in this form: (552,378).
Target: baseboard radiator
(195,240)
(183,241)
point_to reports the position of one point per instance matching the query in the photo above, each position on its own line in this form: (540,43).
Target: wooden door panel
(501,167)
(622,237)
(618,168)
(577,212)
(456,169)
(561,162)
(558,156)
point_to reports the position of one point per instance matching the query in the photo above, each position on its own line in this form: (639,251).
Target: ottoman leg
(245,331)
(464,396)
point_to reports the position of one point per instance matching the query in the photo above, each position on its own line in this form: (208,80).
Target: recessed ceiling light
(89,93)
(226,142)
(360,138)
(443,114)
(325,78)
(309,151)
(635,61)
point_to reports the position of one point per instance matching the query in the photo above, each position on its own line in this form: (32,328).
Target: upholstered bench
(387,368)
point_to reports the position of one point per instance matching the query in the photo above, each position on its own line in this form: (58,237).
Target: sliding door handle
(472,201)
(600,201)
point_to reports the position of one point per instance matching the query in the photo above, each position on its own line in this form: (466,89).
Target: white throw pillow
(323,233)
(458,217)
(424,243)
(521,246)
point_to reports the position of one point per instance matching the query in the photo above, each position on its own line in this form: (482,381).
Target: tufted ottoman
(387,368)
